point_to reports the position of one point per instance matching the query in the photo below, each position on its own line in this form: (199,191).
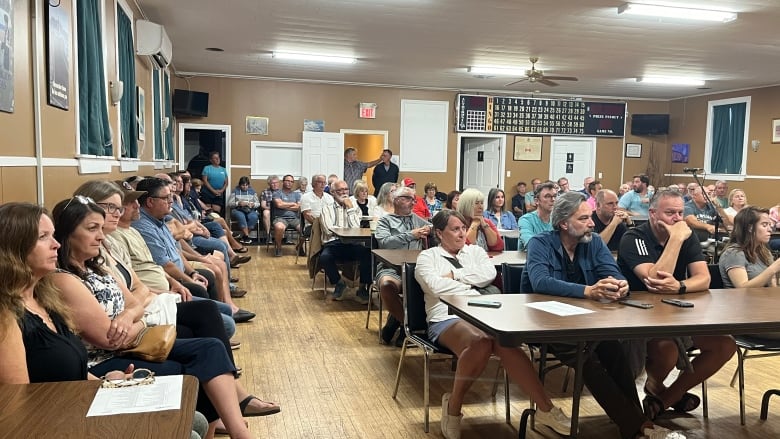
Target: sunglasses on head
(81,199)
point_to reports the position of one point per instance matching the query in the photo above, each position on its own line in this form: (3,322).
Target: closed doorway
(481,165)
(573,158)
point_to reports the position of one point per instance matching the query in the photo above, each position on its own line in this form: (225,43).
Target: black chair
(416,329)
(767,348)
(716,281)
(511,274)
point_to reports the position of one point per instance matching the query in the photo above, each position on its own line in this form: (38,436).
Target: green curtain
(158,136)
(95,132)
(728,138)
(127,107)
(169,115)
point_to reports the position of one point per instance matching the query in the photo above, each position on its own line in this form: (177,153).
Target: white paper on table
(559,308)
(163,394)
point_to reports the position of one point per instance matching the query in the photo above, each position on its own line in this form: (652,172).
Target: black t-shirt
(573,269)
(614,241)
(52,356)
(639,246)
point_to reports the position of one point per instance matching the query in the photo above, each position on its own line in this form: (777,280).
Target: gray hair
(468,199)
(385,194)
(314,177)
(403,191)
(303,180)
(565,206)
(666,193)
(600,195)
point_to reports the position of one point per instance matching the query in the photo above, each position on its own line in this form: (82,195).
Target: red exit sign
(367,110)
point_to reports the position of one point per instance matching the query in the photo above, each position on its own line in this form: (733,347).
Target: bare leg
(278,234)
(473,348)
(222,393)
(267,223)
(389,289)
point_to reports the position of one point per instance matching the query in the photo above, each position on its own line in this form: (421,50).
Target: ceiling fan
(534,75)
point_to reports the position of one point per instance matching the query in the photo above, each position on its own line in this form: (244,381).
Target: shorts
(436,329)
(387,271)
(288,222)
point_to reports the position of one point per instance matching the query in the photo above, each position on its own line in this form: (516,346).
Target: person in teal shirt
(215,182)
(537,221)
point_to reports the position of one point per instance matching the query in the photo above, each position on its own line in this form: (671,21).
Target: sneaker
(338,292)
(237,234)
(361,296)
(450,425)
(658,432)
(245,240)
(288,241)
(555,419)
(390,328)
(278,252)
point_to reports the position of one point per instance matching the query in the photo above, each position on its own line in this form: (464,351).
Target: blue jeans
(245,220)
(208,245)
(226,313)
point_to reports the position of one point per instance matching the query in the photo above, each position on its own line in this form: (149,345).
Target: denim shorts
(436,329)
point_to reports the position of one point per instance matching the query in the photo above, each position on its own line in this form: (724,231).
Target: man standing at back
(573,261)
(385,172)
(353,168)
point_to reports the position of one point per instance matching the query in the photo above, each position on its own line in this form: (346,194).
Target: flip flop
(687,403)
(241,250)
(247,410)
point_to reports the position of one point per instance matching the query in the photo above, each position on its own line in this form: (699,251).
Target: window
(94,129)
(128,124)
(726,143)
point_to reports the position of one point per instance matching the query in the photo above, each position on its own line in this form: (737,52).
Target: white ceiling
(430,43)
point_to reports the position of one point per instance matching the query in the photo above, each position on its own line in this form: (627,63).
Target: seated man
(266,203)
(539,220)
(700,215)
(608,221)
(311,204)
(573,261)
(286,204)
(636,201)
(662,256)
(399,230)
(343,214)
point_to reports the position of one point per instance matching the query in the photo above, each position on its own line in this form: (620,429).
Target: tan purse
(152,344)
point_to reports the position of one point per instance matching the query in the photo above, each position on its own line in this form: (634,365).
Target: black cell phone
(485,303)
(678,302)
(636,303)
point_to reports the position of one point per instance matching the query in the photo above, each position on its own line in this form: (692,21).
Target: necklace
(43,315)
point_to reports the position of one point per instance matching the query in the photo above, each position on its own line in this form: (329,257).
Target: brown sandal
(247,410)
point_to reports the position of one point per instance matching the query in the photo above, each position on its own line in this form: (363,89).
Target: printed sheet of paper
(559,308)
(163,394)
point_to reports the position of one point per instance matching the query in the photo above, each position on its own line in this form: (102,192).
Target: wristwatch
(682,288)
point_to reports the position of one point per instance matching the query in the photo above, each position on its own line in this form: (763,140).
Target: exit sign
(367,110)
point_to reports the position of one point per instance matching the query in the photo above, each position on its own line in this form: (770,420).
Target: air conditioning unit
(152,40)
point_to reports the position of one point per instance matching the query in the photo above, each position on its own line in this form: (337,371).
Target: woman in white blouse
(456,268)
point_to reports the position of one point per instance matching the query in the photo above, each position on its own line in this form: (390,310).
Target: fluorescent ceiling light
(316,58)
(670,80)
(675,12)
(492,70)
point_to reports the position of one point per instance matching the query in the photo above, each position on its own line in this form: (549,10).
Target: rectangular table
(355,235)
(733,311)
(60,410)
(397,257)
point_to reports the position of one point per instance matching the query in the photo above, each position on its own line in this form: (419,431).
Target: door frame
(594,144)
(383,133)
(501,156)
(209,127)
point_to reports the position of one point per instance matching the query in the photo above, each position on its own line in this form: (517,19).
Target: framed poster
(58,54)
(634,150)
(680,152)
(528,148)
(7,56)
(257,125)
(775,130)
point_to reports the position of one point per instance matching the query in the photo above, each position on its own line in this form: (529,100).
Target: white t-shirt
(311,202)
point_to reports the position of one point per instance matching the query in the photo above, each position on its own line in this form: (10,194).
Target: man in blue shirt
(637,202)
(573,261)
(285,212)
(539,220)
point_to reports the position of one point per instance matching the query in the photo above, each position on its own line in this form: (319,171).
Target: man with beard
(573,261)
(637,201)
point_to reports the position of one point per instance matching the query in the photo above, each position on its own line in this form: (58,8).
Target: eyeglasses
(112,208)
(548,196)
(81,199)
(168,199)
(117,378)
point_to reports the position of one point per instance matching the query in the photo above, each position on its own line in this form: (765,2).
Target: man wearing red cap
(420,208)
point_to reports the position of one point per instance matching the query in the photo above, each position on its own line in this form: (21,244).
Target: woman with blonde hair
(361,198)
(384,201)
(481,231)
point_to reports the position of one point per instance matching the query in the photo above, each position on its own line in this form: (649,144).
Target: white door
(481,163)
(573,158)
(322,153)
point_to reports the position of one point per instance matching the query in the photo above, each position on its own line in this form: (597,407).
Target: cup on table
(372,224)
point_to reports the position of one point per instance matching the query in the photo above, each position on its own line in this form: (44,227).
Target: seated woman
(481,231)
(496,211)
(434,205)
(109,318)
(437,274)
(452,200)
(737,200)
(38,343)
(747,262)
(384,201)
(243,203)
(367,203)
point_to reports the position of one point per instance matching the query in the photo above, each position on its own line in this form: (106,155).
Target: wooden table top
(732,311)
(60,410)
(397,257)
(352,232)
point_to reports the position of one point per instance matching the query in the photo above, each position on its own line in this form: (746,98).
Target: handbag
(153,343)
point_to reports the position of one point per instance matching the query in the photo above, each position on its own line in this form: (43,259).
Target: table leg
(577,391)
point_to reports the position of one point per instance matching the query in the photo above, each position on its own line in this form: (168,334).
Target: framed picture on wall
(528,148)
(257,125)
(775,130)
(634,150)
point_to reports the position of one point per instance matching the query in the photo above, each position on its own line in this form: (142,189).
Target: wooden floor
(334,380)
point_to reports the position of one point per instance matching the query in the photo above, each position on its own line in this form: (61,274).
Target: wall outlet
(601,175)
(508,174)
